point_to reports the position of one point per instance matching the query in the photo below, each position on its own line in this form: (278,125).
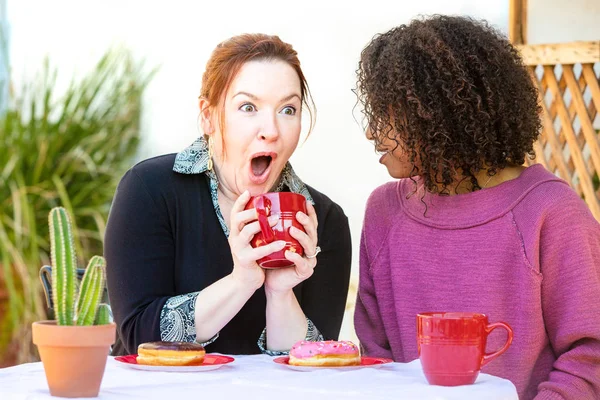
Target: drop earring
(210,153)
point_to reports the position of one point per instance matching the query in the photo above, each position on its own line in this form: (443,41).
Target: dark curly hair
(454,94)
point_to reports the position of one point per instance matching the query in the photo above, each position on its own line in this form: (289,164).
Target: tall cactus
(71,309)
(64,263)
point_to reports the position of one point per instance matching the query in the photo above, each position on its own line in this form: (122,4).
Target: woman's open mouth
(260,167)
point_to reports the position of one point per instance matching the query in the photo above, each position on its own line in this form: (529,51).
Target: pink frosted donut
(324,354)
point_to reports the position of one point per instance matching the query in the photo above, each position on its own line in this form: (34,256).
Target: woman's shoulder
(385,198)
(546,194)
(155,177)
(154,168)
(550,203)
(158,172)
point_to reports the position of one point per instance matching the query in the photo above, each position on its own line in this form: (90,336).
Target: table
(258,377)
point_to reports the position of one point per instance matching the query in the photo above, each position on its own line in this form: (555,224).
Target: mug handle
(488,329)
(263,209)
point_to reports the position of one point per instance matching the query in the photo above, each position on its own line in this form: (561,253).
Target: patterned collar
(194,160)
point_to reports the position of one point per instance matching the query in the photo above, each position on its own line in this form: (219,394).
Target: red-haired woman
(180,263)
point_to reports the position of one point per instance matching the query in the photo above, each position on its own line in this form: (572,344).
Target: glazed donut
(324,354)
(170,353)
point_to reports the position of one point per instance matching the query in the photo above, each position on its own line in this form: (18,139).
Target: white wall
(180,35)
(558,21)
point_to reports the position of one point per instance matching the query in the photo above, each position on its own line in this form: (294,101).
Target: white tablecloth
(258,377)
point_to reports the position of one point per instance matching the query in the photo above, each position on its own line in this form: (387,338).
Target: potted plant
(70,144)
(74,347)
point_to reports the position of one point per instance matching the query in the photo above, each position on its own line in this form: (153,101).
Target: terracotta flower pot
(74,357)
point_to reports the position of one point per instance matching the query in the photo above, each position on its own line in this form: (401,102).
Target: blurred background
(89,88)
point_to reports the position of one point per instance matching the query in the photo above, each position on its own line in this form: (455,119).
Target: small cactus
(72,308)
(103,316)
(90,291)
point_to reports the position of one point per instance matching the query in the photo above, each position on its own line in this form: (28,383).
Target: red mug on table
(285,205)
(452,346)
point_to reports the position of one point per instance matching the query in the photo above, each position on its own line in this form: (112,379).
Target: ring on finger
(317,251)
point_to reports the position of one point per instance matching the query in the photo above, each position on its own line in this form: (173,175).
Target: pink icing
(306,349)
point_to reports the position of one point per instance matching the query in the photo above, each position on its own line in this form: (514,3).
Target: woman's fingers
(238,207)
(309,221)
(312,213)
(305,241)
(304,269)
(251,229)
(263,251)
(243,217)
(310,228)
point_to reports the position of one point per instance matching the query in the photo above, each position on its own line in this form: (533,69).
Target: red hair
(229,56)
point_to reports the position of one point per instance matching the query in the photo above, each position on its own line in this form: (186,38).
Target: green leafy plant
(67,148)
(72,306)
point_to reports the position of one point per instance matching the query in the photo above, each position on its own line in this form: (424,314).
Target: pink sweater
(526,252)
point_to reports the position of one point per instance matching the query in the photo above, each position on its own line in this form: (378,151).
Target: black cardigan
(163,239)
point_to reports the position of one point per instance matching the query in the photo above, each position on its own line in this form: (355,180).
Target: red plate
(365,362)
(211,362)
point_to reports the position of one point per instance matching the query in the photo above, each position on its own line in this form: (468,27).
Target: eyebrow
(253,97)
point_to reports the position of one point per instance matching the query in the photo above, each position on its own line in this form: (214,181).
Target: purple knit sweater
(526,252)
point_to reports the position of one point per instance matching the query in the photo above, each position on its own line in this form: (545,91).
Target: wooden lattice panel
(569,145)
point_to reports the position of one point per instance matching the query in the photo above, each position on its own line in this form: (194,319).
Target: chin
(400,171)
(255,190)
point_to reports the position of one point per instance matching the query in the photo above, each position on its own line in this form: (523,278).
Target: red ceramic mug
(285,205)
(452,346)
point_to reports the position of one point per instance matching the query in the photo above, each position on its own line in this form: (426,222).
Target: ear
(206,116)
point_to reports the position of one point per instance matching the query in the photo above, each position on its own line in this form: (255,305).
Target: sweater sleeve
(570,265)
(139,250)
(367,318)
(324,294)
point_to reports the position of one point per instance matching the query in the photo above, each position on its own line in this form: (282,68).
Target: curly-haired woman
(467,227)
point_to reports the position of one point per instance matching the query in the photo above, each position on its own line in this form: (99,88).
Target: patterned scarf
(194,160)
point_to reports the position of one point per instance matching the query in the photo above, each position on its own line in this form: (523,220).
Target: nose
(369,134)
(269,130)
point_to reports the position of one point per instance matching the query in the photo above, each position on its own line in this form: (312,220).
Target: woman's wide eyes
(289,110)
(247,107)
